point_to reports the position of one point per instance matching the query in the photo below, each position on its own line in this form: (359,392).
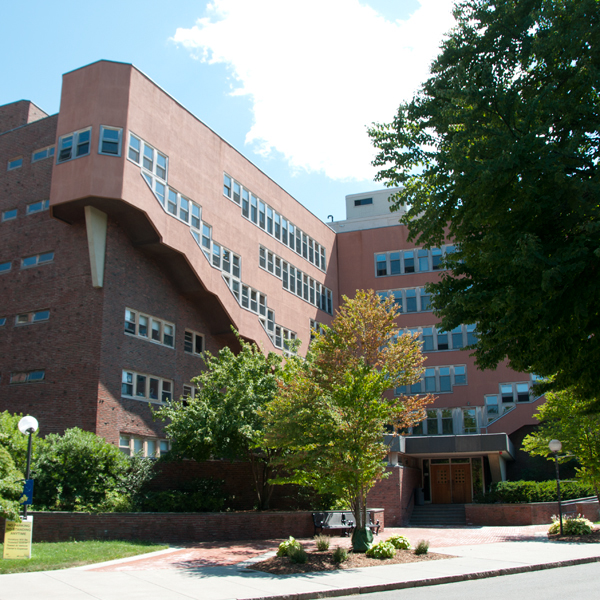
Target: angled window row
(409,300)
(436,379)
(29,261)
(416,260)
(149,447)
(434,339)
(280,336)
(449,421)
(152,161)
(149,328)
(275,224)
(509,394)
(28,376)
(295,281)
(141,386)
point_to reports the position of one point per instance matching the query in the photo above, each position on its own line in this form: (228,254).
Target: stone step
(431,515)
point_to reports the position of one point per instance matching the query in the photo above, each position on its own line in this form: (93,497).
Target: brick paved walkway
(213,554)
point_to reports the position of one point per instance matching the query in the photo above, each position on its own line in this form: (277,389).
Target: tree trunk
(362,536)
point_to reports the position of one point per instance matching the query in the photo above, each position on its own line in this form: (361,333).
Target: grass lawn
(46,556)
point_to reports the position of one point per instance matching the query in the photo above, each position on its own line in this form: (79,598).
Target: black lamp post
(28,425)
(555,447)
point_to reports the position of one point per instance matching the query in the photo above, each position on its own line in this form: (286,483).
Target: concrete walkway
(218,571)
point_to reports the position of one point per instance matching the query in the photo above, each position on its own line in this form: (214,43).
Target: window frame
(8,216)
(165,387)
(31,376)
(14,163)
(101,140)
(74,152)
(195,336)
(150,320)
(48,153)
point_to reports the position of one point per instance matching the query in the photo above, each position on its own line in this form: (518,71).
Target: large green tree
(498,152)
(224,419)
(332,411)
(566,416)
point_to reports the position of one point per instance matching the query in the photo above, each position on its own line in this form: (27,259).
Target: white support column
(96,225)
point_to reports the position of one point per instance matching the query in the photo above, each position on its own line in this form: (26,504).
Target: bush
(514,492)
(197,495)
(381,550)
(399,542)
(284,547)
(572,525)
(340,555)
(322,542)
(422,547)
(297,554)
(11,487)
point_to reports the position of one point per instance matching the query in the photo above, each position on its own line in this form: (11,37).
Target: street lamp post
(28,425)
(555,447)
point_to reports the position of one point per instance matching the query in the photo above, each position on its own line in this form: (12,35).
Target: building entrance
(451,481)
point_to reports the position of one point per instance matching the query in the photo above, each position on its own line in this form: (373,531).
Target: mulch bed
(323,561)
(590,538)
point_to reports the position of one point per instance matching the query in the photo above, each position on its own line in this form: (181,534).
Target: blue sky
(291,85)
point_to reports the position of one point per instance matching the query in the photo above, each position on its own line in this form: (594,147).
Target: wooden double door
(451,483)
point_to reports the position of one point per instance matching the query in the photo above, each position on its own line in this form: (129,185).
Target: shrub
(572,525)
(11,487)
(297,554)
(197,495)
(284,547)
(399,542)
(422,547)
(381,550)
(322,542)
(513,492)
(340,555)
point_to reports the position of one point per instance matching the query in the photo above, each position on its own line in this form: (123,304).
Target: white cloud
(319,72)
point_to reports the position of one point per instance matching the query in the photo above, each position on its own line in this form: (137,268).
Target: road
(581,582)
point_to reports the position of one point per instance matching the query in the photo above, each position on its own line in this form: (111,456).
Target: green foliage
(15,442)
(381,550)
(81,472)
(284,547)
(399,542)
(297,554)
(340,555)
(571,526)
(331,413)
(322,542)
(516,492)
(422,547)
(225,418)
(566,416)
(198,495)
(494,154)
(11,487)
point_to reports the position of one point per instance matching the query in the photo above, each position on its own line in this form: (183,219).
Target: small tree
(224,418)
(566,416)
(331,413)
(11,487)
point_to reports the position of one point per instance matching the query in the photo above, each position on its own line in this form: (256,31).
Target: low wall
(396,494)
(174,528)
(536,513)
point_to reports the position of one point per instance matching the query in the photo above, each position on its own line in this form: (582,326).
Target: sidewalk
(217,571)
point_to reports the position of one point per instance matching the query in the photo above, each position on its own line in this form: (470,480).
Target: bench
(340,520)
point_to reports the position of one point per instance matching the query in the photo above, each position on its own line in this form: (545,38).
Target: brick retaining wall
(174,528)
(536,513)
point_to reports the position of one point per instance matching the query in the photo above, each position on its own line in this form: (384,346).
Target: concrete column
(96,225)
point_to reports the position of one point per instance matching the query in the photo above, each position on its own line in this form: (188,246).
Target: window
(435,339)
(15,163)
(74,145)
(409,299)
(469,420)
(148,447)
(5,267)
(363,201)
(149,328)
(110,140)
(42,154)
(146,387)
(438,421)
(38,259)
(492,408)
(227,186)
(148,157)
(193,343)
(436,380)
(399,263)
(32,317)
(38,207)
(27,376)
(2,321)
(9,215)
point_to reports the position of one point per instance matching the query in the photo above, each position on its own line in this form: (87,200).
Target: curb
(386,587)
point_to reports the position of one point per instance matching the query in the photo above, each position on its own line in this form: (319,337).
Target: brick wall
(396,494)
(173,528)
(536,513)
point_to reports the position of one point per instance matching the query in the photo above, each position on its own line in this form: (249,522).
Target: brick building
(133,238)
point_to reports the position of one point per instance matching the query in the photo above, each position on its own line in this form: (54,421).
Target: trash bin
(419,497)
